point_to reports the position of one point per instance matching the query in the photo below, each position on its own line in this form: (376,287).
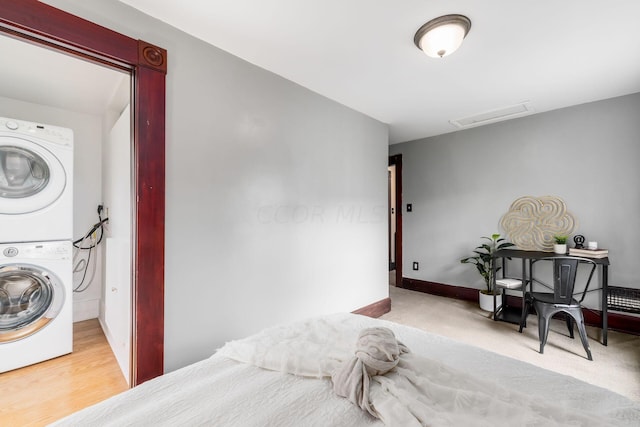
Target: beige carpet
(615,367)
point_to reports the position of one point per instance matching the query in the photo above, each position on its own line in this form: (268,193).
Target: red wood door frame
(41,24)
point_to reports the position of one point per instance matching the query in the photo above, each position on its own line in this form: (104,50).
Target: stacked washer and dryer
(36,233)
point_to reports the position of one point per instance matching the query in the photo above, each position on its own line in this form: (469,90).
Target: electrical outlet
(415,265)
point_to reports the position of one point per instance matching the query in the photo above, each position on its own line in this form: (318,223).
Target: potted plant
(560,245)
(483,260)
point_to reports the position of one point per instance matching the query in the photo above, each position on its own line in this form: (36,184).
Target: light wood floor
(42,393)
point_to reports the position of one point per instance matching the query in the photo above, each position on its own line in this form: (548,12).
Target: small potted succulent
(560,244)
(483,260)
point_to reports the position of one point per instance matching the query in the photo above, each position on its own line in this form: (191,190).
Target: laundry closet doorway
(44,25)
(75,114)
(395,220)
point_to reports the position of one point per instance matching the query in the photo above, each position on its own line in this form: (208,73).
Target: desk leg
(605,291)
(494,270)
(523,318)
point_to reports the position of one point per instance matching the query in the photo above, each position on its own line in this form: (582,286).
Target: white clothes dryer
(36,316)
(36,182)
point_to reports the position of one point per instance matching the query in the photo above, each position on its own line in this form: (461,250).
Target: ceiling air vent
(493,116)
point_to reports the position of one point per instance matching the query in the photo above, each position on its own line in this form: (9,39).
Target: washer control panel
(13,125)
(11,251)
(36,250)
(54,134)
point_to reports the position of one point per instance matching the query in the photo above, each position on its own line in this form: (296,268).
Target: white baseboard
(123,362)
(85,310)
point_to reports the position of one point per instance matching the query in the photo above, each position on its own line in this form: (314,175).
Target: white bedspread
(418,391)
(223,391)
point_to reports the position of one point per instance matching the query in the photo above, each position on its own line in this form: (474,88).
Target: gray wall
(276,197)
(462,183)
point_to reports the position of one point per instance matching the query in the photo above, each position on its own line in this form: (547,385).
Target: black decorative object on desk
(579,241)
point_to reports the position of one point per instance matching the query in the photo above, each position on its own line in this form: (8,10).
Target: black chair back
(564,279)
(565,270)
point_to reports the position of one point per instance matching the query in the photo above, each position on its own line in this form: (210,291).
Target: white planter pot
(486,301)
(560,249)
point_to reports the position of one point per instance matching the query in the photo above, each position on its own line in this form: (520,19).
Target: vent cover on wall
(493,116)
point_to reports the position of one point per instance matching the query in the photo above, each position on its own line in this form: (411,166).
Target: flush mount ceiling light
(443,35)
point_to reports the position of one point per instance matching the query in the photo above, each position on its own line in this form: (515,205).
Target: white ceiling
(38,75)
(361,53)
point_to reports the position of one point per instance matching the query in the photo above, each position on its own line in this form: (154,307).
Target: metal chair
(546,304)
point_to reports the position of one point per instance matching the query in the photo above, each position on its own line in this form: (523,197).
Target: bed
(282,376)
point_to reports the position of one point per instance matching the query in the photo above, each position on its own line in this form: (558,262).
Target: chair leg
(583,332)
(543,329)
(570,325)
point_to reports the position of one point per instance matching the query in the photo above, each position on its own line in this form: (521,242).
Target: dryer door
(30,298)
(31,177)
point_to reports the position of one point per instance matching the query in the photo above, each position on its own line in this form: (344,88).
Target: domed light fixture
(443,35)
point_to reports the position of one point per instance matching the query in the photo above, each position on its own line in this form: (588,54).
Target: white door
(117,201)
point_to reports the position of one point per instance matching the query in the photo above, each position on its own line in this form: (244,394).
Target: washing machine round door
(31,177)
(30,298)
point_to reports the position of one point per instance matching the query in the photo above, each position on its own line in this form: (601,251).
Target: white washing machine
(36,317)
(36,182)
